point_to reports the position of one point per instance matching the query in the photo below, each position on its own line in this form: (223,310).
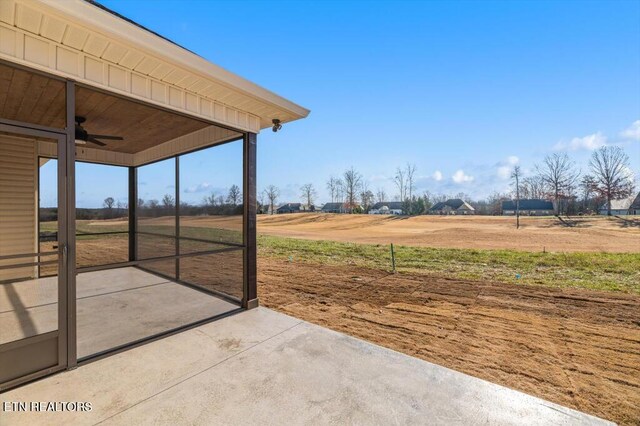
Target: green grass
(596,271)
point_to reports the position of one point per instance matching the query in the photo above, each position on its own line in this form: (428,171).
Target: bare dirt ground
(577,348)
(591,234)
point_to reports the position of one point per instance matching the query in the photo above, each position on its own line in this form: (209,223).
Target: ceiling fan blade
(107,137)
(93,140)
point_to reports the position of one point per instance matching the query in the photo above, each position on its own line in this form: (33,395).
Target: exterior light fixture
(276,125)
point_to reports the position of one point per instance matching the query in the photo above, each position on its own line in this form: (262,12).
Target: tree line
(557,178)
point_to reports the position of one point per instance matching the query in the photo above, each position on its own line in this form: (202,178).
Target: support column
(133,213)
(250,299)
(69,274)
(177,213)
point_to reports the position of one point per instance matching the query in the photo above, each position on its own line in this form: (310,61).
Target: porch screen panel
(156,216)
(102,222)
(211,217)
(219,272)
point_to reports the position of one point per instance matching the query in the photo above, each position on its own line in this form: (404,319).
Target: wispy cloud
(460,177)
(589,142)
(632,132)
(437,175)
(201,187)
(505,167)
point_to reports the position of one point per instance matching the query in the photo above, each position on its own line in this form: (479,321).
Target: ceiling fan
(82,136)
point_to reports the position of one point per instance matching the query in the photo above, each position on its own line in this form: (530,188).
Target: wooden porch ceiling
(37,99)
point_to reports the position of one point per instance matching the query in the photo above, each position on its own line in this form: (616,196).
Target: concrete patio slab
(262,367)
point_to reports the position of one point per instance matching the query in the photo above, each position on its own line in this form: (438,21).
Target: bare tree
(340,191)
(366,197)
(209,200)
(272,193)
(261,201)
(308,193)
(532,187)
(168,201)
(381,196)
(400,180)
(235,196)
(108,204)
(587,185)
(410,172)
(515,176)
(612,174)
(352,184)
(332,187)
(559,175)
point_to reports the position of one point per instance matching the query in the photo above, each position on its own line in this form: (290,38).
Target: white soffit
(79,40)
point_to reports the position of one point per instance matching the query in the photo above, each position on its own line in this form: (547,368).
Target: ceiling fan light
(80,142)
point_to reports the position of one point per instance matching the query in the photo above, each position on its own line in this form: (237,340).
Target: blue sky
(459,88)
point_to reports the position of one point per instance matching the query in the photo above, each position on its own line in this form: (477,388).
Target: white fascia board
(127,33)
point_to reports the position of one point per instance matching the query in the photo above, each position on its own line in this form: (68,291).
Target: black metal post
(250,299)
(133,213)
(69,249)
(177,188)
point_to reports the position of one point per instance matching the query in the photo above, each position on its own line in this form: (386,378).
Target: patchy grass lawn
(596,271)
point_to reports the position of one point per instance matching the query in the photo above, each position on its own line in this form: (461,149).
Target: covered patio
(127,186)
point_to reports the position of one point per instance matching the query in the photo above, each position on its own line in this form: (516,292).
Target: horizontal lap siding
(18,182)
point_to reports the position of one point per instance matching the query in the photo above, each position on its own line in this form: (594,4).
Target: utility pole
(516,175)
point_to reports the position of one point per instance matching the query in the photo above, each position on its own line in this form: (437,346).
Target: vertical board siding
(18,191)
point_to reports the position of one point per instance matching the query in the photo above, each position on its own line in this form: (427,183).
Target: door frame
(66,247)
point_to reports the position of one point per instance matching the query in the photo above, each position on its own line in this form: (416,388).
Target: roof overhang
(82,41)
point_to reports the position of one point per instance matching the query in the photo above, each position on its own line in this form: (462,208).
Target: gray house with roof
(388,207)
(334,208)
(623,207)
(528,207)
(453,206)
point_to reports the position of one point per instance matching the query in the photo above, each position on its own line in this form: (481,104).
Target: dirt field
(592,234)
(584,234)
(577,348)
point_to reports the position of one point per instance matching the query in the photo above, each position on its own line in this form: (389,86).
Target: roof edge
(126,32)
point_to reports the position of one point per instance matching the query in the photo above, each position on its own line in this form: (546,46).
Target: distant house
(295,208)
(289,208)
(454,206)
(528,207)
(387,207)
(624,207)
(334,208)
(635,206)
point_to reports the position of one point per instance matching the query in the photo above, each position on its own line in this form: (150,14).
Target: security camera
(276,125)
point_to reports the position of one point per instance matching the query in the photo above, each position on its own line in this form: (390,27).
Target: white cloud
(632,132)
(505,167)
(201,187)
(504,172)
(437,175)
(461,177)
(589,142)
